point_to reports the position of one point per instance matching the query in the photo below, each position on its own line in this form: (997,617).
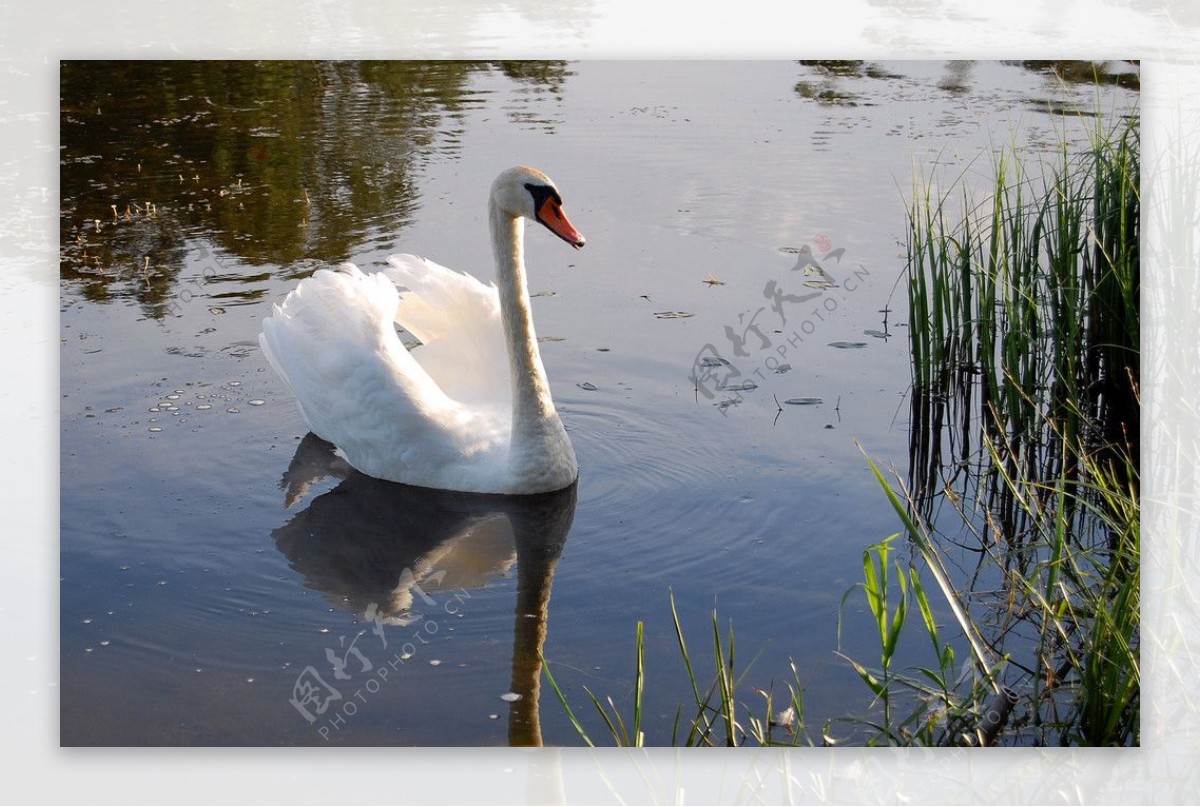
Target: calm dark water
(196,608)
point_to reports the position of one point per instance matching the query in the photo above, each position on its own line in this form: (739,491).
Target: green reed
(1025,425)
(1024,310)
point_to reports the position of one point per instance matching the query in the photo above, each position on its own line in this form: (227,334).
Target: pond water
(730,336)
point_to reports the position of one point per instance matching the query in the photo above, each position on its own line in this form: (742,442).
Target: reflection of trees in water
(957,78)
(1083,72)
(270,162)
(826,81)
(825,84)
(536,80)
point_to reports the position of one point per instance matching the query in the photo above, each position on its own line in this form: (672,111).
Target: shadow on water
(384,550)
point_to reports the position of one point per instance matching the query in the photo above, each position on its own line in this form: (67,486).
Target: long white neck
(533,413)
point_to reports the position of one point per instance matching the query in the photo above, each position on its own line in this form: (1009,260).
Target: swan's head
(524,191)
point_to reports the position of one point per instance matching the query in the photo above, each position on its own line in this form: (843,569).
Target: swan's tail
(333,341)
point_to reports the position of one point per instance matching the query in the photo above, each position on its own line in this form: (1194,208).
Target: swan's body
(470,409)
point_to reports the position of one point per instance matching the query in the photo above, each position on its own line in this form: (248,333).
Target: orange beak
(551,214)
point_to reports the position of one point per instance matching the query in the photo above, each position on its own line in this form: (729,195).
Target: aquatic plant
(1025,425)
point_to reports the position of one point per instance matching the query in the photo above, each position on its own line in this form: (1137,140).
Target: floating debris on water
(848,345)
(510,697)
(673,314)
(804,401)
(786,718)
(588,385)
(745,386)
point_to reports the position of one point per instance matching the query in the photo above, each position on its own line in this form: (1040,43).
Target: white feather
(442,416)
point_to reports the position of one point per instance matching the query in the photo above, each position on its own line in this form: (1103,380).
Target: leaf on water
(804,401)
(713,361)
(876,334)
(587,385)
(673,314)
(848,345)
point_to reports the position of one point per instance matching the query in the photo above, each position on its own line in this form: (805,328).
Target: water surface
(745,227)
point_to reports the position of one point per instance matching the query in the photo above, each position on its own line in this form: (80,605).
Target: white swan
(470,409)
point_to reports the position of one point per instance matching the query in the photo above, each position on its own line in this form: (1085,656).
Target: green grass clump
(1025,427)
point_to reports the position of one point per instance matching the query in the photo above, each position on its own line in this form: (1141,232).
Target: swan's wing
(333,341)
(457,318)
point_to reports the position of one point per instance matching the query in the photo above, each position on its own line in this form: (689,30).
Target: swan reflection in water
(379,548)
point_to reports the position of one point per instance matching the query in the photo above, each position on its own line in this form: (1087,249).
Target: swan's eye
(541,194)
